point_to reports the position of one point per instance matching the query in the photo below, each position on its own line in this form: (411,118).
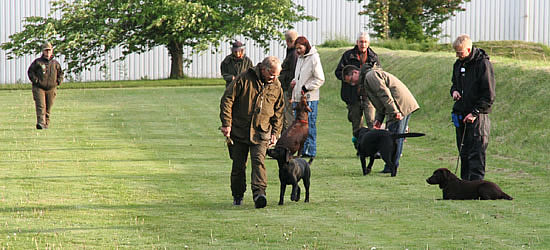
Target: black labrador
(457,189)
(291,171)
(371,141)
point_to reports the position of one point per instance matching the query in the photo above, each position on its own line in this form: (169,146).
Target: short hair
(291,35)
(348,70)
(363,34)
(271,63)
(462,41)
(303,41)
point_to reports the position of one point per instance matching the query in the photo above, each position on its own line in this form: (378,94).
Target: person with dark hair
(235,63)
(392,100)
(360,111)
(308,78)
(46,74)
(251,110)
(287,74)
(473,91)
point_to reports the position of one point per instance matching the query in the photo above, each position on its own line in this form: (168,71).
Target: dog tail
(397,136)
(506,197)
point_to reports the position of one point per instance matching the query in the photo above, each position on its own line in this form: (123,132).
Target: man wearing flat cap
(45,73)
(235,63)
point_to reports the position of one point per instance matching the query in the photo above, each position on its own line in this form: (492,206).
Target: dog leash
(461,145)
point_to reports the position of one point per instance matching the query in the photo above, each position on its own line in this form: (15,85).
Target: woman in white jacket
(308,78)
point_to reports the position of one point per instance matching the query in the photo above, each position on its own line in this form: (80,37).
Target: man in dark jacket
(251,111)
(359,110)
(287,74)
(45,73)
(235,63)
(473,91)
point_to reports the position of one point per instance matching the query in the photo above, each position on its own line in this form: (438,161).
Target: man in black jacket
(287,74)
(473,91)
(359,111)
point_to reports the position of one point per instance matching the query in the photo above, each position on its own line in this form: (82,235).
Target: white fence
(525,20)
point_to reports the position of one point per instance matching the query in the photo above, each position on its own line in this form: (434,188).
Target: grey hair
(363,34)
(462,41)
(271,63)
(291,35)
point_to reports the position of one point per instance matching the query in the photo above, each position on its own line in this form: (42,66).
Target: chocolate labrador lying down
(291,171)
(457,189)
(379,140)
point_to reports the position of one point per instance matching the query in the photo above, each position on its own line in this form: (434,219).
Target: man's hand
(273,141)
(470,118)
(456,95)
(226,131)
(399,116)
(292,84)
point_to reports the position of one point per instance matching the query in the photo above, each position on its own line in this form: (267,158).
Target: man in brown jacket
(45,73)
(391,98)
(251,110)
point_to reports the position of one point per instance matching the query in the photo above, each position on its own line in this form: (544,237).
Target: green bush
(338,42)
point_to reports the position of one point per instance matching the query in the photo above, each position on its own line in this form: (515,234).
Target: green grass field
(147,168)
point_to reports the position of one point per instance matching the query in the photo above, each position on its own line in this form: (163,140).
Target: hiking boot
(260,201)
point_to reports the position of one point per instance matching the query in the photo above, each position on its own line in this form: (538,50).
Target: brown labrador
(295,135)
(457,189)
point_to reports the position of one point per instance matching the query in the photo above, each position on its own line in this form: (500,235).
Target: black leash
(460,149)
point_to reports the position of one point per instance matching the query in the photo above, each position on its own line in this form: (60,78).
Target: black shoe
(38,126)
(237,201)
(260,201)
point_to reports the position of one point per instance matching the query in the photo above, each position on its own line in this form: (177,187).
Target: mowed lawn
(147,168)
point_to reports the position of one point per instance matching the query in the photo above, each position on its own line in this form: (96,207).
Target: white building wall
(526,20)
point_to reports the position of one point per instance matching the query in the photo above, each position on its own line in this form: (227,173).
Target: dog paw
(306,200)
(281,202)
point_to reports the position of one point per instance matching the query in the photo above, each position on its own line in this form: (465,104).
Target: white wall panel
(526,20)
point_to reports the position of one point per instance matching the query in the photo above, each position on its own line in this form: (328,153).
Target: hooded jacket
(232,66)
(45,73)
(348,93)
(309,74)
(474,79)
(253,109)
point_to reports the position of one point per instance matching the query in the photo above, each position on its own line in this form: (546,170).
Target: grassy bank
(147,168)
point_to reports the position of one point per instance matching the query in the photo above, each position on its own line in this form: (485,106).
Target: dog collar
(303,121)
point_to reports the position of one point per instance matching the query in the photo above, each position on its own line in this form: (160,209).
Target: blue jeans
(310,145)
(399,127)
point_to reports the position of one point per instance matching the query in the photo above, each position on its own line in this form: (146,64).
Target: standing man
(358,108)
(46,74)
(391,99)
(287,74)
(251,112)
(473,91)
(235,63)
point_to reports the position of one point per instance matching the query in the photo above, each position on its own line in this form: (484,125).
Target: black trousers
(474,145)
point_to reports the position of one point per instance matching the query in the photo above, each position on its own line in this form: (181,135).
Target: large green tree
(86,30)
(416,20)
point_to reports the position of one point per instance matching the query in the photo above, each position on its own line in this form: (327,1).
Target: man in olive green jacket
(391,98)
(45,73)
(235,63)
(251,111)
